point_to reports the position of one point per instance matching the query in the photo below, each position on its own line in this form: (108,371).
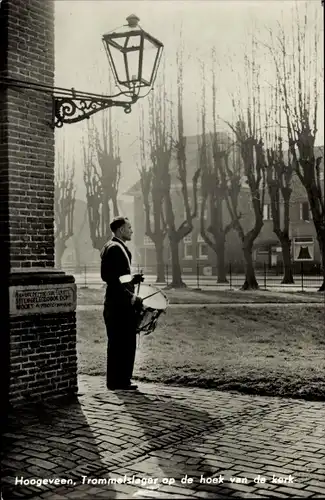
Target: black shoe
(130,387)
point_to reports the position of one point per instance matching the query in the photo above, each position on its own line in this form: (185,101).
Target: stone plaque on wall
(42,299)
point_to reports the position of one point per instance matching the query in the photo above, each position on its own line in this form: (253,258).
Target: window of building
(263,250)
(188,238)
(203,251)
(148,241)
(244,181)
(303,248)
(303,239)
(191,251)
(304,211)
(267,212)
(188,251)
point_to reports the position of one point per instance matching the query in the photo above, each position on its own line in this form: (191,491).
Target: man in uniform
(120,306)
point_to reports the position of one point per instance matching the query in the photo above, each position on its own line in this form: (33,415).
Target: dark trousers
(121,347)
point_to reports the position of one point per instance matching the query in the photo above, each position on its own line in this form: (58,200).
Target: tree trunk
(320,239)
(160,263)
(221,268)
(250,279)
(59,251)
(77,256)
(115,207)
(287,264)
(176,267)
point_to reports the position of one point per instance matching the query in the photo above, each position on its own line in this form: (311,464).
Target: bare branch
(64,202)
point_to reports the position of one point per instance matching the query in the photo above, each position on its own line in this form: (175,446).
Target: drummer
(120,306)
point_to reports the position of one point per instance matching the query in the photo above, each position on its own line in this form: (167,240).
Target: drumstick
(151,295)
(139,283)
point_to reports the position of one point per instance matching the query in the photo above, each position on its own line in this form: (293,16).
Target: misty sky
(81,61)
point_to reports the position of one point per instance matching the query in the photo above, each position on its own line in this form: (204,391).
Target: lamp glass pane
(119,64)
(133,65)
(133,41)
(115,40)
(150,52)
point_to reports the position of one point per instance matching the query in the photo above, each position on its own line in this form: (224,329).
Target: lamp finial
(133,21)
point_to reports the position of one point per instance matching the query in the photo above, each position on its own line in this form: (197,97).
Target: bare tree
(296,65)
(76,241)
(64,203)
(102,173)
(152,186)
(162,145)
(251,149)
(213,185)
(279,172)
(248,136)
(176,234)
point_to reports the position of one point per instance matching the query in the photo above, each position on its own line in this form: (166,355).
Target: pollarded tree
(252,154)
(170,181)
(77,239)
(213,185)
(247,132)
(279,172)
(152,188)
(64,203)
(177,234)
(295,60)
(102,173)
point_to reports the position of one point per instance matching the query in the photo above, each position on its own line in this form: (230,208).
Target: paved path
(97,307)
(146,444)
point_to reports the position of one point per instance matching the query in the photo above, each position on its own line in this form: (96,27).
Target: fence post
(197,276)
(230,276)
(85,285)
(265,271)
(167,274)
(302,276)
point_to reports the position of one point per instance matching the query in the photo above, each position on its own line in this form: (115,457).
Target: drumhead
(156,301)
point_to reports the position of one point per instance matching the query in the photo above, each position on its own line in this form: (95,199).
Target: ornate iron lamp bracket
(70,105)
(76,107)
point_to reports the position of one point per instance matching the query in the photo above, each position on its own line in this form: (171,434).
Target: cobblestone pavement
(166,442)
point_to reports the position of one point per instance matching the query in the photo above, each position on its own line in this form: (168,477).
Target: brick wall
(31,139)
(43,363)
(39,351)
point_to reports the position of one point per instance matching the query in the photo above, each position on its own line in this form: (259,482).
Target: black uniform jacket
(113,265)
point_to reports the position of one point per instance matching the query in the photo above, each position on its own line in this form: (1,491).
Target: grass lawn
(92,296)
(276,351)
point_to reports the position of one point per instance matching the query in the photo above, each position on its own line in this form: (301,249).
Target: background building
(195,253)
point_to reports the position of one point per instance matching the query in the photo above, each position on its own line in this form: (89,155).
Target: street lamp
(134,58)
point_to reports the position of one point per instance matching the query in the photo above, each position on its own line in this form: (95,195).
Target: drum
(154,303)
